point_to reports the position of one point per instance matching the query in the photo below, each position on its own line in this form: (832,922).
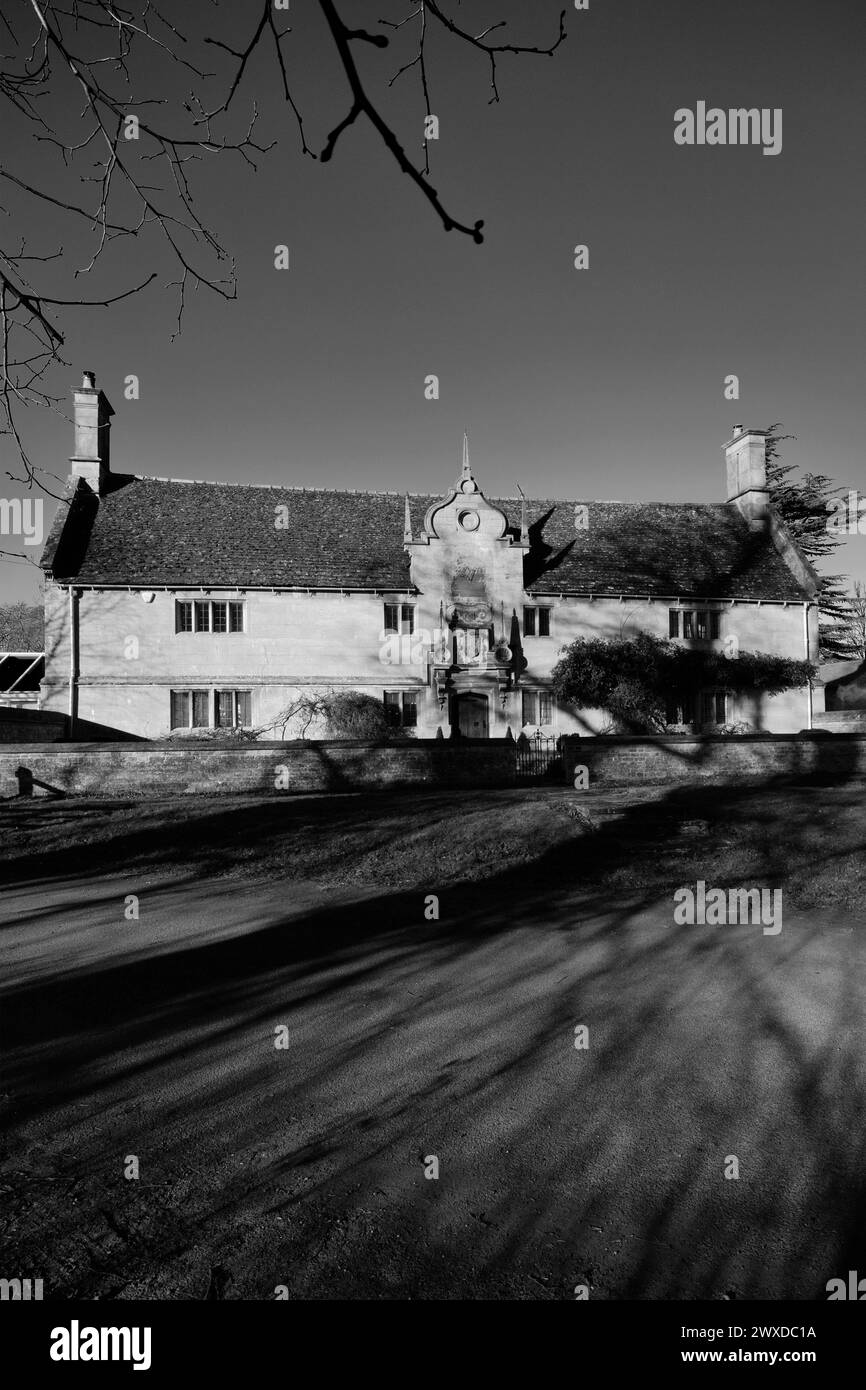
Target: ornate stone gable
(466,564)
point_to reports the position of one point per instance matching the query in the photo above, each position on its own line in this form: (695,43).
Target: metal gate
(539,758)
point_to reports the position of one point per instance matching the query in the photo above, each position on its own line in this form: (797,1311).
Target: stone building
(174,604)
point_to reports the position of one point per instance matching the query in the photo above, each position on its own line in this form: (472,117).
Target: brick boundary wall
(683,759)
(163,769)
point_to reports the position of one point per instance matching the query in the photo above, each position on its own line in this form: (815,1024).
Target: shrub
(335,714)
(633,679)
(215,735)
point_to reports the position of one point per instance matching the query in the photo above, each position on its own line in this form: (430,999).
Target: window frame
(698,624)
(188,696)
(536,697)
(199,608)
(402,621)
(409,709)
(233,692)
(537,619)
(401,708)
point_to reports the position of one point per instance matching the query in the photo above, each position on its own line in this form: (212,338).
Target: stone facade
(180,604)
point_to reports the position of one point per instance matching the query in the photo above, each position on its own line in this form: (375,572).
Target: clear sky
(600,383)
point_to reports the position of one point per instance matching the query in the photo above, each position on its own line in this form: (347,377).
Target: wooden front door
(472,716)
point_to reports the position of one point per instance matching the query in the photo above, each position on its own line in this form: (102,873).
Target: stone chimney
(746,460)
(92,435)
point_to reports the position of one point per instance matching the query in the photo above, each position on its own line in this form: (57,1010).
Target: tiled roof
(663,548)
(149,531)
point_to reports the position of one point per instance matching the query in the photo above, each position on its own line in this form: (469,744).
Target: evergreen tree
(803,506)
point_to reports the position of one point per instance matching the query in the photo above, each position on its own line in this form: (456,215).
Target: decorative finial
(407,523)
(465,473)
(524,535)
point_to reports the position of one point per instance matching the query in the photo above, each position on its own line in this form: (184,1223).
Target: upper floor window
(536,622)
(701,624)
(399,618)
(206,615)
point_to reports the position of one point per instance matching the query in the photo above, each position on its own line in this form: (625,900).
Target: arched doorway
(470,717)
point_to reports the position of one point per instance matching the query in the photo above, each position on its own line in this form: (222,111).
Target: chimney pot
(89,382)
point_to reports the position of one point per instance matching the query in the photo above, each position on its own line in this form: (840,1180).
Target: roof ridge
(282,487)
(401,492)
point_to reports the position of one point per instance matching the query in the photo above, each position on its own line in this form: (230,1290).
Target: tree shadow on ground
(455,1038)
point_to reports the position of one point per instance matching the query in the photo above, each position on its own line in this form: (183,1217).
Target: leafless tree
(21,627)
(115,103)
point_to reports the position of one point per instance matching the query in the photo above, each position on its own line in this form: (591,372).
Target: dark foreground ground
(409,1038)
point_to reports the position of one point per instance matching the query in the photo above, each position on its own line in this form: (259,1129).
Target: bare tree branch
(80,97)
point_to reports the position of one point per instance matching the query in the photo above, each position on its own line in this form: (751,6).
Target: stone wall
(165,769)
(622,762)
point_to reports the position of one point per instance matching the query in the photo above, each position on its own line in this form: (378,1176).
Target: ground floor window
(401,708)
(232,709)
(191,709)
(706,707)
(713,707)
(537,707)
